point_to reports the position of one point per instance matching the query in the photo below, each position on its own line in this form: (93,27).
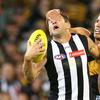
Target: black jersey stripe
(79,70)
(67,75)
(52,74)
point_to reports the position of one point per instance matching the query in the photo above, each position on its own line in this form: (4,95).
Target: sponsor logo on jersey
(60,57)
(76,53)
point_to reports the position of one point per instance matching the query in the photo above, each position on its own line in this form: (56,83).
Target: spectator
(9,82)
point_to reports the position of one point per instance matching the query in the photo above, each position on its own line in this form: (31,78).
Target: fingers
(39,45)
(36,45)
(38,41)
(29,44)
(35,49)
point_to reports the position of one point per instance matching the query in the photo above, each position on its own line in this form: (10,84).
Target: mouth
(55,27)
(97,31)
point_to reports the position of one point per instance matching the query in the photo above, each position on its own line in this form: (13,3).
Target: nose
(54,22)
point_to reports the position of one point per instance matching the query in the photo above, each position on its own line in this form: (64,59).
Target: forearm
(32,70)
(93,48)
(82,31)
(27,70)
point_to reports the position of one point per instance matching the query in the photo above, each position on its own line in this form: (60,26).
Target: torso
(67,69)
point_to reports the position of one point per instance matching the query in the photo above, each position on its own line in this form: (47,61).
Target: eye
(97,20)
(49,21)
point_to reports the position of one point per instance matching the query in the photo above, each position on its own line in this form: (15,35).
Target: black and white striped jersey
(67,69)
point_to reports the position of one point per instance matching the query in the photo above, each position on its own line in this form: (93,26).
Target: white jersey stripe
(73,71)
(59,69)
(84,67)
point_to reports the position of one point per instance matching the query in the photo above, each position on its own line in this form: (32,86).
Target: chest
(68,56)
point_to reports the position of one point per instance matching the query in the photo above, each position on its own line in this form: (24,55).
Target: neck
(62,38)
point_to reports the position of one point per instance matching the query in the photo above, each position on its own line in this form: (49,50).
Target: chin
(97,36)
(55,34)
(97,33)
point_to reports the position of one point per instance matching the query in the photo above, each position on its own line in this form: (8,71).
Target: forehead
(54,15)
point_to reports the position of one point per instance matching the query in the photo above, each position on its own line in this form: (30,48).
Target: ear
(67,25)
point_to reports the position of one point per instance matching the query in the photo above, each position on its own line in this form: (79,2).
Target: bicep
(93,48)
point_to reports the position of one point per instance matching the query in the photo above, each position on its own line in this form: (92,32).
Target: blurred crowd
(18,19)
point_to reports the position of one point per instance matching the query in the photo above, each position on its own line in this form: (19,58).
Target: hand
(33,50)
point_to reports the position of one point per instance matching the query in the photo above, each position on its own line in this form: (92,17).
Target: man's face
(97,28)
(56,22)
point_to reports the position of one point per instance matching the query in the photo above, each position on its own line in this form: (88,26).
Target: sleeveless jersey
(67,69)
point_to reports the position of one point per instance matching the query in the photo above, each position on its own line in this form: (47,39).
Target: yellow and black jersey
(93,65)
(93,71)
(93,68)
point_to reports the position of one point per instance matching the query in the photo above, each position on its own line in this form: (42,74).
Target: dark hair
(64,16)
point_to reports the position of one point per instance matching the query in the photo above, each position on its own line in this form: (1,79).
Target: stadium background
(18,18)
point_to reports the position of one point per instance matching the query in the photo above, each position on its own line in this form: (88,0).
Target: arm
(81,30)
(93,48)
(31,70)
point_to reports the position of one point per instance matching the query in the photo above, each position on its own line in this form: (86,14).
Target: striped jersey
(67,69)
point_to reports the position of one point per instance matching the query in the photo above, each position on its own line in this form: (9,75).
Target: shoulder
(79,35)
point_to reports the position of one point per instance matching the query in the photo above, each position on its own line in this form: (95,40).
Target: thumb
(29,44)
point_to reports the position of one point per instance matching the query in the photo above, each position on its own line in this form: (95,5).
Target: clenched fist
(34,49)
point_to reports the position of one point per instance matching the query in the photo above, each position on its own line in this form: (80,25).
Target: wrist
(27,58)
